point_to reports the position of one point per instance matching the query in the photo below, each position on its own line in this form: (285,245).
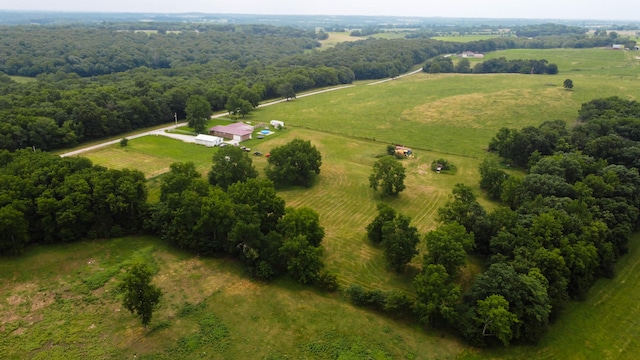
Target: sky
(536,9)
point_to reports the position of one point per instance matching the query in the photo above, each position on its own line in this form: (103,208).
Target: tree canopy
(295,163)
(140,296)
(231,164)
(388,174)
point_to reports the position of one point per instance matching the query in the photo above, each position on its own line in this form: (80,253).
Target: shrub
(327,281)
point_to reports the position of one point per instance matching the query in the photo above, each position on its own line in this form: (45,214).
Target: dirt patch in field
(41,300)
(474,110)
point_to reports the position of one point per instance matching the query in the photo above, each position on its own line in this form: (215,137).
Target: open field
(22,79)
(210,310)
(337,37)
(437,115)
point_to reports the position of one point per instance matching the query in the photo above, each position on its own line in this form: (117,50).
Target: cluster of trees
(562,226)
(394,232)
(48,199)
(442,64)
(234,212)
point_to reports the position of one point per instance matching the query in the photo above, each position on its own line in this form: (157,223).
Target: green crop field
(447,115)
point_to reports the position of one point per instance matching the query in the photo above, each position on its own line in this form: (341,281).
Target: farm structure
(208,140)
(471,54)
(403,151)
(237,131)
(277,124)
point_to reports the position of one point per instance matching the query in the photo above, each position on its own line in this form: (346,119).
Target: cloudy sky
(537,9)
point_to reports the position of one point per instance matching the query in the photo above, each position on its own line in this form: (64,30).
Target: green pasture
(456,113)
(59,302)
(152,155)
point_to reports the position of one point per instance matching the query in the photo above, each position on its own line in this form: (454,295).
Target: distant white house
(277,123)
(208,140)
(471,54)
(617,47)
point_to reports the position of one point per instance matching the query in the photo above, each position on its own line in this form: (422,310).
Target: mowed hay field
(450,116)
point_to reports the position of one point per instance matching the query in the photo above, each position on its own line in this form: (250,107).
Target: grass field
(58,302)
(450,116)
(337,37)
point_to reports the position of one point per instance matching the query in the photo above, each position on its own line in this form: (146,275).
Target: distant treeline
(443,64)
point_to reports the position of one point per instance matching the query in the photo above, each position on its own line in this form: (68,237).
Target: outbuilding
(277,124)
(208,140)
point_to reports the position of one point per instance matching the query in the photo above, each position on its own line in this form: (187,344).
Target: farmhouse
(277,124)
(208,140)
(237,132)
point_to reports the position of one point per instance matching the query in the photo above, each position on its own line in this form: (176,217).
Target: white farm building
(277,124)
(208,140)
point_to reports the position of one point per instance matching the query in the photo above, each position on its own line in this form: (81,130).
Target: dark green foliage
(444,166)
(295,163)
(198,112)
(526,294)
(301,221)
(124,142)
(568,84)
(463,208)
(392,302)
(448,246)
(48,199)
(391,149)
(304,261)
(374,229)
(502,65)
(491,178)
(436,295)
(230,165)
(327,281)
(140,296)
(399,240)
(388,175)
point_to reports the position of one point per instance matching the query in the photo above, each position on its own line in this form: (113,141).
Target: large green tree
(198,112)
(495,317)
(140,295)
(230,165)
(448,246)
(388,174)
(436,295)
(374,229)
(399,239)
(304,261)
(301,221)
(295,163)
